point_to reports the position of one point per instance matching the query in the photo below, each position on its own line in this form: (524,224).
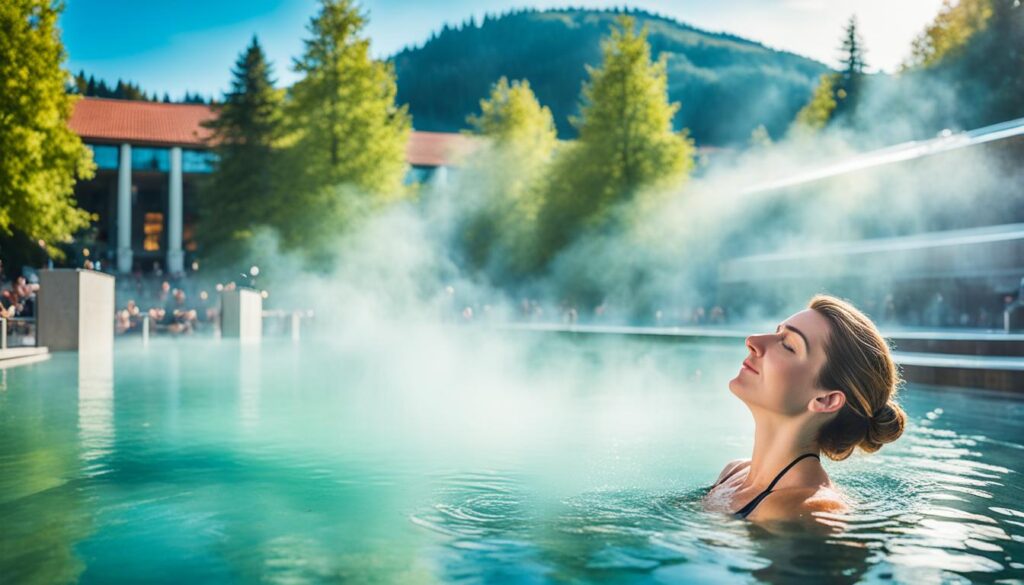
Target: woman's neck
(777,442)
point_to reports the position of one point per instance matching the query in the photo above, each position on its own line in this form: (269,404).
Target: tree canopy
(502,180)
(627,147)
(242,192)
(346,137)
(717,75)
(40,157)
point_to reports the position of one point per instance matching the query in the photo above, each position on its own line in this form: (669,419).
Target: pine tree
(836,93)
(347,136)
(240,195)
(40,157)
(851,77)
(80,84)
(626,145)
(501,181)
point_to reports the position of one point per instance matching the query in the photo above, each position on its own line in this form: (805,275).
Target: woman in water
(824,382)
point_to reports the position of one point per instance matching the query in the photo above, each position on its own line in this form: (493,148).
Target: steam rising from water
(402,265)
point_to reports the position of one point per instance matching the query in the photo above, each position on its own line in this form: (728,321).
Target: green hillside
(727,85)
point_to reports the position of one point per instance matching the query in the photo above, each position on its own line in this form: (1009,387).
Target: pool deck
(958,358)
(20,356)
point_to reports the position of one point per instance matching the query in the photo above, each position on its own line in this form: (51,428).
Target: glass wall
(145,158)
(148,158)
(105,156)
(418,174)
(197,161)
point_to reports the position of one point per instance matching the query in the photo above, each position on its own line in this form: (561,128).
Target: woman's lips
(746,364)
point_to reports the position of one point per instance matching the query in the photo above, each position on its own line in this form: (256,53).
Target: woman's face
(781,370)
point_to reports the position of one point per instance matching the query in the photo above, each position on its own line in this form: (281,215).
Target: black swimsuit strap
(746,510)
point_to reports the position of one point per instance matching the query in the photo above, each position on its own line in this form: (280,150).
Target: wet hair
(858,362)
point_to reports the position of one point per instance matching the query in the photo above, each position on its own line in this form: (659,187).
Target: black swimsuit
(746,510)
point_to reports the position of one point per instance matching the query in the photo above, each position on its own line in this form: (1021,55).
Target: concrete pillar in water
(241,314)
(124,210)
(175,255)
(75,310)
(1013,315)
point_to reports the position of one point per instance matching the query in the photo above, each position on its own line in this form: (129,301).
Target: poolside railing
(280,321)
(26,328)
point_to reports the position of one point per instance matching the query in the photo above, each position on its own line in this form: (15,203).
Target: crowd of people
(183,305)
(170,309)
(18,303)
(568,313)
(18,299)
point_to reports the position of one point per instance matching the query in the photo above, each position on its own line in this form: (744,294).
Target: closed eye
(782,339)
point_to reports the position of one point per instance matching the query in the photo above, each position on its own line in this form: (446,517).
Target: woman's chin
(735,385)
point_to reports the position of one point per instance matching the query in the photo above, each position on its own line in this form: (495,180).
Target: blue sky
(182,45)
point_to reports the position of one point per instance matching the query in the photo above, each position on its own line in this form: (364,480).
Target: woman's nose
(754,344)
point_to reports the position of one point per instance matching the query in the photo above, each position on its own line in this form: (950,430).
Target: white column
(175,255)
(441,176)
(124,210)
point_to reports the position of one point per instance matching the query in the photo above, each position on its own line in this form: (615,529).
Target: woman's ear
(828,401)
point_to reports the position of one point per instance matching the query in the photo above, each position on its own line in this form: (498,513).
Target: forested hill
(726,85)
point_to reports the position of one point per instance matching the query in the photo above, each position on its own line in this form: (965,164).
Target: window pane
(151,159)
(105,155)
(197,161)
(152,229)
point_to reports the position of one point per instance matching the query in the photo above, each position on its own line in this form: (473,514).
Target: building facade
(151,159)
(957,262)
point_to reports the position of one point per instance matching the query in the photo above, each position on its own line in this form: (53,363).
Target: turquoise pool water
(463,456)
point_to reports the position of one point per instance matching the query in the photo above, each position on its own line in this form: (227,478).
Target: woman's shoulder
(731,468)
(813,505)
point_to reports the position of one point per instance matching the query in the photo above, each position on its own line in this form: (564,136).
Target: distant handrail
(294,317)
(3,327)
(268,313)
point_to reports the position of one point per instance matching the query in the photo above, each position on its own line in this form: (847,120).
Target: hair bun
(885,426)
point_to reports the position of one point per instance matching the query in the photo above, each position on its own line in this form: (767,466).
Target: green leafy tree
(242,192)
(347,138)
(818,111)
(950,31)
(626,148)
(502,179)
(40,157)
(976,48)
(1004,71)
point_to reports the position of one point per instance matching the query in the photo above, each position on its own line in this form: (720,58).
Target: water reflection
(95,409)
(45,511)
(249,380)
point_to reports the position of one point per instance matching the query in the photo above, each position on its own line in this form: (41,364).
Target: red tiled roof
(433,149)
(140,122)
